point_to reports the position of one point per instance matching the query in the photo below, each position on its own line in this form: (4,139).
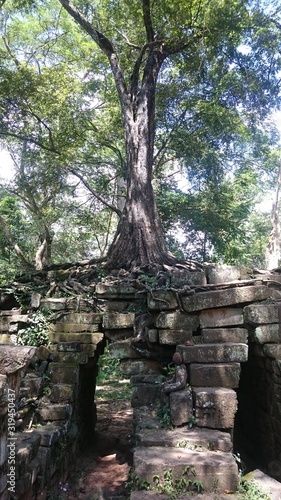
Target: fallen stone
(214,353)
(228,297)
(224,335)
(223,273)
(14,358)
(113,321)
(177,321)
(204,467)
(268,485)
(181,278)
(215,407)
(215,375)
(174,337)
(191,439)
(220,317)
(181,406)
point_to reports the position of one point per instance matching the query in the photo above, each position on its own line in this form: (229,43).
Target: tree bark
(273,249)
(15,246)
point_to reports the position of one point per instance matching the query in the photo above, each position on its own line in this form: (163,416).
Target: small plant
(175,487)
(37,333)
(164,415)
(250,490)
(191,422)
(135,483)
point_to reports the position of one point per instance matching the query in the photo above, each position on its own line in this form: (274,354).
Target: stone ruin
(224,321)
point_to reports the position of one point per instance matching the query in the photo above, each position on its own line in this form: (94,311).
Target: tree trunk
(273,249)
(15,246)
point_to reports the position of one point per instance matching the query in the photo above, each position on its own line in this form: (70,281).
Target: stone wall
(225,323)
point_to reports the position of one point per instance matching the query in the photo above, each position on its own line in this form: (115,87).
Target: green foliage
(250,490)
(108,367)
(164,415)
(37,333)
(173,488)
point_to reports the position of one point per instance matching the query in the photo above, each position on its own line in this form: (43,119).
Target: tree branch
(147,20)
(15,246)
(94,193)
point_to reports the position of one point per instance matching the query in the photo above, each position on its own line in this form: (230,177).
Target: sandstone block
(113,321)
(181,278)
(55,412)
(43,353)
(83,338)
(74,327)
(153,336)
(215,407)
(27,445)
(139,366)
(122,350)
(14,358)
(4,323)
(120,334)
(116,291)
(77,358)
(220,317)
(62,393)
(177,321)
(54,304)
(49,434)
(7,338)
(224,335)
(81,318)
(214,353)
(223,273)
(267,333)
(63,373)
(174,337)
(208,466)
(161,300)
(191,439)
(145,394)
(34,386)
(181,406)
(257,314)
(228,297)
(215,375)
(69,347)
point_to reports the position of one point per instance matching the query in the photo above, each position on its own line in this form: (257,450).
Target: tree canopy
(120,94)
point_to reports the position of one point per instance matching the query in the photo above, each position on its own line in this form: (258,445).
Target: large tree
(219,64)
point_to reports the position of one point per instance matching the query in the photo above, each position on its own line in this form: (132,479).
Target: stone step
(74,327)
(152,495)
(84,338)
(81,318)
(214,353)
(214,469)
(190,439)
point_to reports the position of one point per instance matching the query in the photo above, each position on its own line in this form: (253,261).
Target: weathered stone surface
(55,412)
(214,353)
(61,393)
(181,406)
(34,385)
(161,300)
(177,321)
(220,317)
(116,291)
(145,394)
(181,278)
(227,297)
(224,335)
(83,338)
(4,323)
(90,349)
(69,346)
(267,333)
(149,462)
(215,407)
(140,366)
(49,434)
(120,334)
(112,321)
(122,350)
(62,373)
(79,358)
(153,336)
(7,338)
(272,350)
(143,378)
(43,353)
(74,327)
(13,358)
(215,375)
(223,273)
(257,314)
(191,439)
(174,337)
(27,445)
(54,304)
(81,318)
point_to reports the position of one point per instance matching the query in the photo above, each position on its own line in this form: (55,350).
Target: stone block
(78,358)
(63,373)
(223,273)
(174,337)
(113,321)
(215,407)
(145,394)
(74,327)
(55,304)
(224,335)
(257,314)
(83,338)
(55,412)
(181,278)
(34,386)
(272,350)
(153,336)
(228,297)
(140,366)
(267,333)
(181,406)
(116,291)
(69,346)
(224,316)
(191,439)
(161,300)
(214,353)
(4,323)
(62,393)
(49,434)
(177,321)
(27,445)
(90,349)
(14,358)
(43,353)
(215,375)
(122,350)
(81,318)
(7,338)
(209,466)
(120,334)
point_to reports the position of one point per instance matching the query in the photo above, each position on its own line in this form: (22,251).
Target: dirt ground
(102,470)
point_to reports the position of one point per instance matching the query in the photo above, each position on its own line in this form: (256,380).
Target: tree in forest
(206,65)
